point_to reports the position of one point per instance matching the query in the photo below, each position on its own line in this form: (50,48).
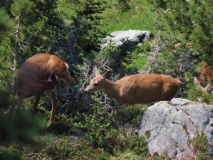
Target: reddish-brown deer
(206,89)
(42,72)
(138,88)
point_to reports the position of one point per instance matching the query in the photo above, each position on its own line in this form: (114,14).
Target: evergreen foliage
(191,23)
(36,28)
(19,128)
(5,22)
(87,26)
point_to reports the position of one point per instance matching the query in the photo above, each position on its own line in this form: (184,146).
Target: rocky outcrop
(168,126)
(120,37)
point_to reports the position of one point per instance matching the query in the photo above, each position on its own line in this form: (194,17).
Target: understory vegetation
(86,127)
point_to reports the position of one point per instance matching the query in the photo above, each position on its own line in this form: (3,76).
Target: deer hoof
(49,124)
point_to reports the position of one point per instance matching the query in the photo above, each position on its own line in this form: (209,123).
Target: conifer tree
(87,24)
(191,21)
(21,127)
(37,28)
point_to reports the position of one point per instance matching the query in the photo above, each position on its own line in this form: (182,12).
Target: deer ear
(107,74)
(95,71)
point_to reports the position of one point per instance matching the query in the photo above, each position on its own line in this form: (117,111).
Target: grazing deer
(32,79)
(138,88)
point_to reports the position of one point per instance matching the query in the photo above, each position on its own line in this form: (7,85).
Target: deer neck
(111,89)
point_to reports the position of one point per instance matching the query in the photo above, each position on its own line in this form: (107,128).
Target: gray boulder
(119,37)
(167,127)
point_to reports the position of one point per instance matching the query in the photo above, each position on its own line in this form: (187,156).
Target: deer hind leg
(35,106)
(54,100)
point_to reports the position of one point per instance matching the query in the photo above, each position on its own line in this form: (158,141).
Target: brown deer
(205,76)
(138,88)
(42,72)
(206,89)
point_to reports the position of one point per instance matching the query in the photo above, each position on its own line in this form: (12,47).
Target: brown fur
(32,79)
(138,88)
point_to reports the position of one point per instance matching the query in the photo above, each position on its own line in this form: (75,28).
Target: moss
(185,129)
(148,134)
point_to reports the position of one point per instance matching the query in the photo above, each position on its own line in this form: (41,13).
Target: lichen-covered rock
(168,126)
(117,38)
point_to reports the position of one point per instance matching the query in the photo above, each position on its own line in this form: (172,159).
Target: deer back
(147,88)
(33,75)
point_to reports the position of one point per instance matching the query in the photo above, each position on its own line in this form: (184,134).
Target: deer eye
(95,84)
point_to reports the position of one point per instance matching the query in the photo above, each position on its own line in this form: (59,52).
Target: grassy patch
(139,16)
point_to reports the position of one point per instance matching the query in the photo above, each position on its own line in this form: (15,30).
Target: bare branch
(165,12)
(153,56)
(15,52)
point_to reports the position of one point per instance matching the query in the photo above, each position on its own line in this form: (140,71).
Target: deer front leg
(69,81)
(54,100)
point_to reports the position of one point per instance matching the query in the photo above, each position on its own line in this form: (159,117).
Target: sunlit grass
(139,17)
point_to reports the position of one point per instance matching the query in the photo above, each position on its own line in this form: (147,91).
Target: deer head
(97,82)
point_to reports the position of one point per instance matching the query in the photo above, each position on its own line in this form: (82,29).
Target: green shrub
(199,146)
(131,114)
(98,125)
(18,129)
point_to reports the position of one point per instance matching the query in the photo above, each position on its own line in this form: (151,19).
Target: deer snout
(91,88)
(87,90)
